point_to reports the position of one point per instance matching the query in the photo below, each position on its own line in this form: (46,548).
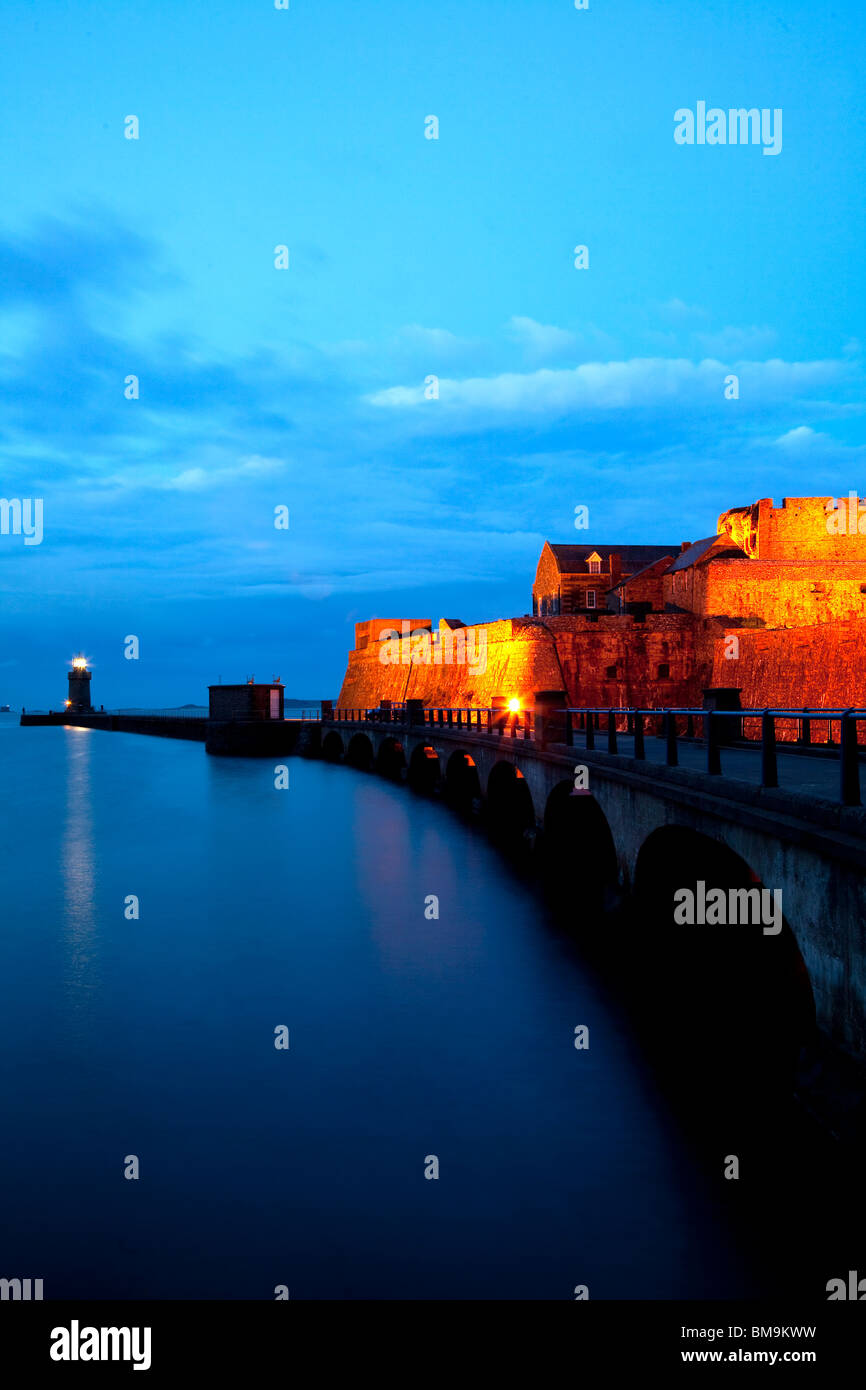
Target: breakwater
(222,737)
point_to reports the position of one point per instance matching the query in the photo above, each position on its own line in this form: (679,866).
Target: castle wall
(796,531)
(517,658)
(523,656)
(369,630)
(820,666)
(618,661)
(778,593)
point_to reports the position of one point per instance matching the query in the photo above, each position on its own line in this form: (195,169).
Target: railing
(196,712)
(709,727)
(496,720)
(713,729)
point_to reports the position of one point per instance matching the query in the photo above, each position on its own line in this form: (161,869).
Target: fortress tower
(79,685)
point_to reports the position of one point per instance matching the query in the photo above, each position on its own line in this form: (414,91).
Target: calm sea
(409,1038)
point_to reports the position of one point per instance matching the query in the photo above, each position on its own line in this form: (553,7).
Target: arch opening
(360,752)
(332,747)
(462,783)
(391,760)
(581,874)
(730,995)
(510,812)
(424,771)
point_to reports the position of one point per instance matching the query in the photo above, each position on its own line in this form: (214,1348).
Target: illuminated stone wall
(517,657)
(780,594)
(798,610)
(797,531)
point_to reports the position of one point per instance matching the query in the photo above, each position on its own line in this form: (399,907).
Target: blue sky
(408,258)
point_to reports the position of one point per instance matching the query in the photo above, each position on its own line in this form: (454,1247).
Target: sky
(409,258)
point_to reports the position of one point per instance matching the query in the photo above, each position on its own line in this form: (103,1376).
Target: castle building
(585,578)
(772,604)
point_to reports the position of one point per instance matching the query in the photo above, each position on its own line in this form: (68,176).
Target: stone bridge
(620,829)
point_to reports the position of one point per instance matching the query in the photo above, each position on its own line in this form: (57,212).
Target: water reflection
(78,875)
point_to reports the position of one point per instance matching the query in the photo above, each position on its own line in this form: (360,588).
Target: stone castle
(773,604)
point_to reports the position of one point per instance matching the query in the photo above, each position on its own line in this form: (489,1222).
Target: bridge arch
(332,747)
(391,759)
(580,860)
(425,774)
(360,752)
(510,810)
(732,997)
(462,783)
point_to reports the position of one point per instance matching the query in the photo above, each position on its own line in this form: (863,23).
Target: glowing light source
(79,663)
(67,703)
(514,704)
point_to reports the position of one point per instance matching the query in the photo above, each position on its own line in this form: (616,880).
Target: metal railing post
(849,766)
(805,730)
(590,731)
(769,769)
(611,731)
(639,750)
(569,729)
(671,754)
(714,752)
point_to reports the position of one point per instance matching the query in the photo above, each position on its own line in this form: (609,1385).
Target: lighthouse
(79,686)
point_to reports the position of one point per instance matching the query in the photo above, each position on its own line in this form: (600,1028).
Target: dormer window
(594,563)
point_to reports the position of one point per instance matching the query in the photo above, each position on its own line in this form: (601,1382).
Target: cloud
(733,344)
(59,261)
(173,494)
(677,312)
(802,442)
(607,386)
(541,339)
(190,480)
(800,439)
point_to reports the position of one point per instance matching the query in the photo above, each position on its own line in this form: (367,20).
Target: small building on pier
(250,701)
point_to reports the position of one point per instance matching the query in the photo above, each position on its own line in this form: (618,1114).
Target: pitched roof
(710,548)
(628,578)
(572,559)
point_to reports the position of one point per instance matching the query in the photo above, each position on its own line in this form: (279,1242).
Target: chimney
(684,545)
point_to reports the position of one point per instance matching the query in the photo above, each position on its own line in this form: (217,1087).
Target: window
(595,566)
(611,673)
(664,672)
(275,704)
(591,595)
